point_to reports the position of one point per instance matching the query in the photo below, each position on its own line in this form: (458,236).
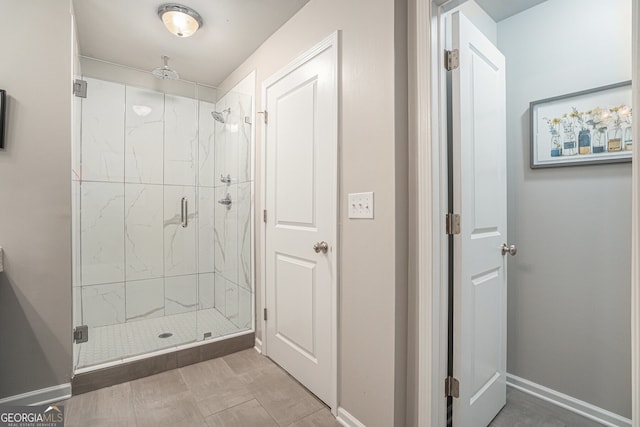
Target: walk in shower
(162,219)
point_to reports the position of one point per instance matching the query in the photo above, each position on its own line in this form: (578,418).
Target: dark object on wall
(588,127)
(3,113)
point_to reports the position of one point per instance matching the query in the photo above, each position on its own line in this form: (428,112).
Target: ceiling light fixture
(180,20)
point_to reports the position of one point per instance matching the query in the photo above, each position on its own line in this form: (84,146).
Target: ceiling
(129,32)
(502,9)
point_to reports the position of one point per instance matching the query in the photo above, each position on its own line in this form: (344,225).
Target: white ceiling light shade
(180,20)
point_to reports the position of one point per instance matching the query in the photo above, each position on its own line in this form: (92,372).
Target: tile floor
(245,389)
(115,342)
(524,410)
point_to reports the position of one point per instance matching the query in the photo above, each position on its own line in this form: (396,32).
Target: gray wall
(569,286)
(35,197)
(372,314)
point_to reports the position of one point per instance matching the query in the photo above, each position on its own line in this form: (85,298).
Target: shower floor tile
(116,342)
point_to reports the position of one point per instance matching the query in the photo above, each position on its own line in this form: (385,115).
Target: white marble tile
(103,132)
(77,305)
(179,242)
(244,141)
(102,232)
(244,256)
(76,269)
(180,140)
(181,294)
(206,290)
(232,128)
(206,229)
(143,231)
(219,147)
(103,304)
(144,136)
(206,135)
(213,322)
(76,139)
(220,289)
(231,303)
(145,299)
(244,308)
(226,234)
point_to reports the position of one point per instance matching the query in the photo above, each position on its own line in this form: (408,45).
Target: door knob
(321,247)
(511,250)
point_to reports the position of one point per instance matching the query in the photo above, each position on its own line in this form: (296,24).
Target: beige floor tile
(172,413)
(103,404)
(247,414)
(286,400)
(207,371)
(321,418)
(230,393)
(246,361)
(102,422)
(156,390)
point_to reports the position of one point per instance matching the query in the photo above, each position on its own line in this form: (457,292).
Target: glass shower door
(136,244)
(162,228)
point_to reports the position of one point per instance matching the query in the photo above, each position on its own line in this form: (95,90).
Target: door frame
(330,42)
(428,172)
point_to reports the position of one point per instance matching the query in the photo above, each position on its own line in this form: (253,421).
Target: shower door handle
(184,212)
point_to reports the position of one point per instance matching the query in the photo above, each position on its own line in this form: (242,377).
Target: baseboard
(258,345)
(39,397)
(348,420)
(572,404)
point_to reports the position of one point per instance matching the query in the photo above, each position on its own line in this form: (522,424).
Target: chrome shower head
(218,116)
(165,73)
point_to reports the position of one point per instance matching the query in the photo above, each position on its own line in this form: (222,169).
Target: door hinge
(265,114)
(81,334)
(453,223)
(265,314)
(451,387)
(80,88)
(264,216)
(451,59)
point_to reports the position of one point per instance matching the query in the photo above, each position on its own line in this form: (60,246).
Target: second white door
(480,197)
(301,203)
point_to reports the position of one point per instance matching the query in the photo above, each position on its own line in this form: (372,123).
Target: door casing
(428,172)
(330,42)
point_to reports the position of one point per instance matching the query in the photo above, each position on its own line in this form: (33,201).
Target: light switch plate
(361,205)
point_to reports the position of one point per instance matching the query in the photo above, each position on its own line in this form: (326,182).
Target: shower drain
(165,335)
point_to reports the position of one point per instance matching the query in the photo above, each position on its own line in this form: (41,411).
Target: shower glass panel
(158,262)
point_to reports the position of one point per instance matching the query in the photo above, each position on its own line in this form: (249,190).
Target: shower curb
(106,377)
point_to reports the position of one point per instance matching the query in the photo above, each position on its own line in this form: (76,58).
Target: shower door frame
(185,347)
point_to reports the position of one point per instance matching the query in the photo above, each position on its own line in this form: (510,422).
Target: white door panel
(301,186)
(479,175)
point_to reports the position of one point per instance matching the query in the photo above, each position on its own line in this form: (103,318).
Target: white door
(301,187)
(479,193)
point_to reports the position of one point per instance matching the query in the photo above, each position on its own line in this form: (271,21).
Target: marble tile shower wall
(232,227)
(142,152)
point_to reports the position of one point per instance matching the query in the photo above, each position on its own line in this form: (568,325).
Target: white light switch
(361,205)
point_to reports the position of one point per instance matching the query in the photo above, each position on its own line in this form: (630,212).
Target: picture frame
(582,128)
(3,113)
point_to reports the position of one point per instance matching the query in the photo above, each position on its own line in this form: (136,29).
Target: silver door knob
(321,247)
(511,250)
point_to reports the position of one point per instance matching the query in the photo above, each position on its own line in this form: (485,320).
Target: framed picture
(592,126)
(3,113)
